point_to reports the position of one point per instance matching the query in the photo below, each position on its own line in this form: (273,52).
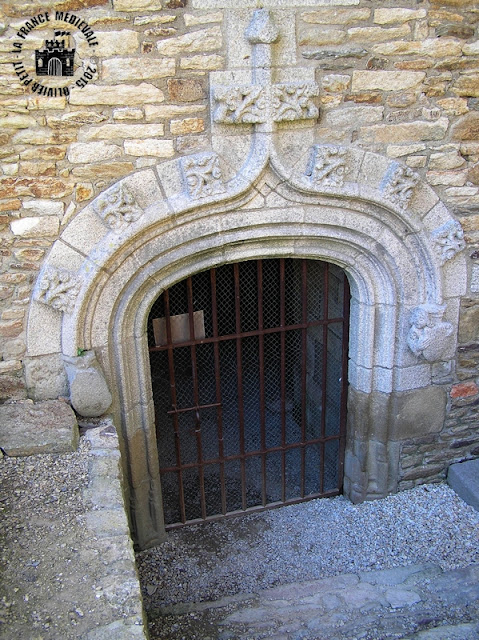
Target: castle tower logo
(55,59)
(63,63)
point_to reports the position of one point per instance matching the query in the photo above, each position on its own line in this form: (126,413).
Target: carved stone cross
(263,103)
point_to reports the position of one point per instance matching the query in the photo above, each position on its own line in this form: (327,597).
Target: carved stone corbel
(429,337)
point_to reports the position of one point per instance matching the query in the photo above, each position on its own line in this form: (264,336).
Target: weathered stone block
(114,131)
(149,147)
(188,125)
(196,41)
(82,152)
(406,132)
(89,392)
(36,226)
(120,94)
(391,15)
(126,69)
(417,413)
(467,128)
(336,16)
(46,427)
(185,90)
(203,62)
(386,80)
(110,43)
(137,5)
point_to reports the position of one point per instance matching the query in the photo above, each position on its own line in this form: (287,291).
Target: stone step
(417,602)
(463,477)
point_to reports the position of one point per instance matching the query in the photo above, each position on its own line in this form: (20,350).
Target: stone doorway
(249,379)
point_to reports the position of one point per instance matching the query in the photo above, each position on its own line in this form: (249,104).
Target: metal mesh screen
(248,369)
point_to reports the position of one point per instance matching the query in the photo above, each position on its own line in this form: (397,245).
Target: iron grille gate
(249,376)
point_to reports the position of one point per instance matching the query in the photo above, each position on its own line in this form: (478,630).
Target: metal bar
(249,334)
(251,454)
(195,408)
(304,361)
(219,412)
(324,372)
(176,424)
(256,509)
(239,363)
(196,397)
(282,322)
(344,381)
(262,403)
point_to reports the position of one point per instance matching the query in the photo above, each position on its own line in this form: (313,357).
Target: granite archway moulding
(397,242)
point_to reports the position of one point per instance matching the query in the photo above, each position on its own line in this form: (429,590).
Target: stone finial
(429,337)
(261,29)
(58,288)
(398,185)
(118,208)
(448,240)
(202,175)
(327,165)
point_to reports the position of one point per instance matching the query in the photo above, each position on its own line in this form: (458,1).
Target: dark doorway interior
(249,375)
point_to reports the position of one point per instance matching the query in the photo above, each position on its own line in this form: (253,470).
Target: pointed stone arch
(397,242)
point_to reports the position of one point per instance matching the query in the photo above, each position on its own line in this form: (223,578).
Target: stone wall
(401,81)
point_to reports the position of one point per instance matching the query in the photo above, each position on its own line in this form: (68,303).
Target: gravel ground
(428,524)
(41,520)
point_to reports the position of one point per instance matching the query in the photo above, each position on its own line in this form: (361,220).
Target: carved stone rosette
(58,288)
(399,185)
(448,240)
(202,175)
(429,337)
(327,165)
(294,102)
(239,105)
(118,208)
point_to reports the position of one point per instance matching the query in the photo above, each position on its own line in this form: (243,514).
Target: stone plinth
(27,428)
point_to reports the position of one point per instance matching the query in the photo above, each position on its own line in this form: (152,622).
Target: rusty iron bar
(252,454)
(239,364)
(176,424)
(247,334)
(219,411)
(304,347)
(262,403)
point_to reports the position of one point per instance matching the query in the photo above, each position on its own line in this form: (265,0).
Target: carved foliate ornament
(118,208)
(399,185)
(239,105)
(429,337)
(294,102)
(448,240)
(58,288)
(327,165)
(202,175)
